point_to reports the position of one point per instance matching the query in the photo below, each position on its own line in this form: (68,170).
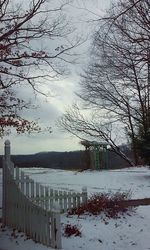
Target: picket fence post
(6,160)
(56,227)
(7,151)
(84,195)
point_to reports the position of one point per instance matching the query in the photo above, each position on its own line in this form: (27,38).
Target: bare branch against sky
(78,15)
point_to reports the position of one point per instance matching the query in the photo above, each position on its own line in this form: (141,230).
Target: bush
(70,230)
(112,205)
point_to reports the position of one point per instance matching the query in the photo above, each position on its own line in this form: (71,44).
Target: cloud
(61,92)
(21,144)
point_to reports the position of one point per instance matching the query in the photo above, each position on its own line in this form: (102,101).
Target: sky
(81,12)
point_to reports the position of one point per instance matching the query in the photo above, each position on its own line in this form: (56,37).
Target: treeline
(64,160)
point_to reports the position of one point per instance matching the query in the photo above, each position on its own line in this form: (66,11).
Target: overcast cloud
(62,91)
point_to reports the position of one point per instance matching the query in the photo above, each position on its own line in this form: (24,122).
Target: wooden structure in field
(96,154)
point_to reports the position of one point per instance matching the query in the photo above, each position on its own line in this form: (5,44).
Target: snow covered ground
(98,233)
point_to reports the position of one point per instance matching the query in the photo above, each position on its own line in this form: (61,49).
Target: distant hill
(62,160)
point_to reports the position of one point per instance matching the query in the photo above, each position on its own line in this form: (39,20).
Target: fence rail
(33,208)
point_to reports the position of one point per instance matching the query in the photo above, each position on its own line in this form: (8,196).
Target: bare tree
(36,43)
(116,83)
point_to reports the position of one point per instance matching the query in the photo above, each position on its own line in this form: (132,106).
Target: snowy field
(130,232)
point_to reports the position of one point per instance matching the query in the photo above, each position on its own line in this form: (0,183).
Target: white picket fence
(33,208)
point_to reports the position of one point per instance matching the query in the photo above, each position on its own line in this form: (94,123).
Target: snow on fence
(34,208)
